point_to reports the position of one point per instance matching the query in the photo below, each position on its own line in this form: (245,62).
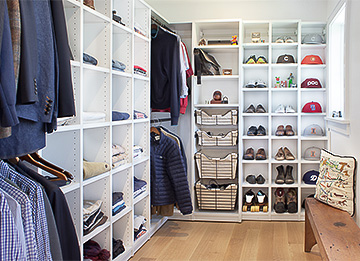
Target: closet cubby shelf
(122,213)
(284,65)
(118,28)
(141,197)
(254,89)
(255,114)
(140,241)
(122,74)
(284,89)
(125,255)
(274,161)
(141,160)
(313,66)
(142,37)
(142,120)
(96,178)
(119,123)
(245,137)
(255,161)
(304,138)
(71,4)
(273,114)
(120,168)
(93,16)
(248,185)
(284,137)
(140,77)
(303,161)
(75,63)
(96,68)
(253,66)
(313,46)
(284,46)
(218,77)
(216,105)
(67,128)
(71,187)
(303,185)
(274,185)
(96,231)
(313,114)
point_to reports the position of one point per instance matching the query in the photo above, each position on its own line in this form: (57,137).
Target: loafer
(249,154)
(280,109)
(261,131)
(260,108)
(261,60)
(250,179)
(288,154)
(251,84)
(280,155)
(289,109)
(280,177)
(289,131)
(250,109)
(252,131)
(251,60)
(260,84)
(260,154)
(260,179)
(280,131)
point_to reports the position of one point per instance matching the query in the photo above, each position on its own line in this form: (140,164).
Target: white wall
(342,144)
(190,10)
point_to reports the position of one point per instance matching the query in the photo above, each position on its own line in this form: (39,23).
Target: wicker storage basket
(229,139)
(216,168)
(223,198)
(203,118)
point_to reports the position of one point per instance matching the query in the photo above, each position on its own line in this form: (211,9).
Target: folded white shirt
(89,116)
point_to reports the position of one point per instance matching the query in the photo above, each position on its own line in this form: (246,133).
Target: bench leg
(310,240)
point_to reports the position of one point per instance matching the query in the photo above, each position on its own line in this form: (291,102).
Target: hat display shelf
(101,89)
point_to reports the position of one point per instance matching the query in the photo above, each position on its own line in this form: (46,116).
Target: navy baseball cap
(310,177)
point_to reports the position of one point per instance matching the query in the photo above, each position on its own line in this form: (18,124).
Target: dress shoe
(280,109)
(280,177)
(288,154)
(260,179)
(289,109)
(280,155)
(260,154)
(291,200)
(260,109)
(289,131)
(249,154)
(252,131)
(250,179)
(280,201)
(250,109)
(289,179)
(261,131)
(280,131)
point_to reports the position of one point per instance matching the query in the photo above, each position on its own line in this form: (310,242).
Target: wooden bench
(335,232)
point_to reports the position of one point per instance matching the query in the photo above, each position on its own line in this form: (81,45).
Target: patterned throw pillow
(335,185)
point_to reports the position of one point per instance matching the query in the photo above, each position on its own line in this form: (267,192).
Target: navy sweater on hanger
(165,73)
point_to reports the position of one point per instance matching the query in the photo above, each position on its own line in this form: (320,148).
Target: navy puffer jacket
(169,183)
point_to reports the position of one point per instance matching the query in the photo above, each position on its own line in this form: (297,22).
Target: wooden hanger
(154,130)
(29,159)
(37,157)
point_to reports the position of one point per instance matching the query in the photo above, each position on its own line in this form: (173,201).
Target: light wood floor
(250,240)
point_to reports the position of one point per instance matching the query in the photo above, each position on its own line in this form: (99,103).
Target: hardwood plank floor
(249,240)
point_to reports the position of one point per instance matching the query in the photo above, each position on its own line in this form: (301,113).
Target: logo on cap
(312,59)
(312,154)
(313,178)
(286,58)
(313,130)
(312,107)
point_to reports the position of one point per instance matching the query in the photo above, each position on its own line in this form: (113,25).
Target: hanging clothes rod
(160,120)
(156,21)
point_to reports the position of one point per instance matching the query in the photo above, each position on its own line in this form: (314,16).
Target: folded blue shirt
(116,65)
(89,59)
(120,116)
(118,209)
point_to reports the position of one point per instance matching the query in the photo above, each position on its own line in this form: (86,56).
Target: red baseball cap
(312,107)
(311,83)
(312,59)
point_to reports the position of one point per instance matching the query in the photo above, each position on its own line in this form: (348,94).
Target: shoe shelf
(254,89)
(273,137)
(255,114)
(255,137)
(218,77)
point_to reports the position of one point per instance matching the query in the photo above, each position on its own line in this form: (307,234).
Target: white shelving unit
(240,98)
(102,89)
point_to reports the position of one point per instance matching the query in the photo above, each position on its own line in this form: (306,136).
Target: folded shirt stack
(93,116)
(92,215)
(89,59)
(139,115)
(118,247)
(137,151)
(92,169)
(139,70)
(139,186)
(139,228)
(120,116)
(119,66)
(93,251)
(118,202)
(118,156)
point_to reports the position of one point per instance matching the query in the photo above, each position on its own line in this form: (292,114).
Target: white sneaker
(280,109)
(289,109)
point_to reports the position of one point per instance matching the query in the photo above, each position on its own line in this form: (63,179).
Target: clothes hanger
(155,130)
(29,159)
(37,157)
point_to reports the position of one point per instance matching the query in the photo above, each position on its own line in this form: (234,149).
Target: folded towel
(92,169)
(120,116)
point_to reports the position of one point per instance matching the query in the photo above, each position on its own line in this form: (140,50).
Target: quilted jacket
(169,183)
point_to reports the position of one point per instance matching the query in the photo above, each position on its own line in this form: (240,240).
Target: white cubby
(104,239)
(121,95)
(142,96)
(256,121)
(256,169)
(255,73)
(285,28)
(142,15)
(122,135)
(141,60)
(122,182)
(283,72)
(73,22)
(102,8)
(276,121)
(124,10)
(123,230)
(122,47)
(250,27)
(290,144)
(285,98)
(97,145)
(141,138)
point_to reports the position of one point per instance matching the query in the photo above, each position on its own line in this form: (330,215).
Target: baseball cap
(311,83)
(312,107)
(312,59)
(285,58)
(313,39)
(310,177)
(313,130)
(312,153)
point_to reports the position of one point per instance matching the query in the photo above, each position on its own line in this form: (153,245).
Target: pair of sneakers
(284,109)
(285,201)
(255,84)
(284,39)
(253,60)
(259,109)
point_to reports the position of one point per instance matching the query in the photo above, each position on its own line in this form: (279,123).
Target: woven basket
(229,139)
(216,168)
(203,118)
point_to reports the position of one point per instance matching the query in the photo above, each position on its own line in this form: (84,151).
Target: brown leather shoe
(280,155)
(249,154)
(260,154)
(289,131)
(288,154)
(280,131)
